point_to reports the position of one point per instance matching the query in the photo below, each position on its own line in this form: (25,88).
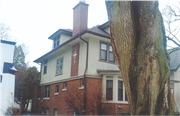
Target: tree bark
(139,46)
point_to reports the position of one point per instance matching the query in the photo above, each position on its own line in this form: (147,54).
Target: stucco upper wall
(51,76)
(64,38)
(94,56)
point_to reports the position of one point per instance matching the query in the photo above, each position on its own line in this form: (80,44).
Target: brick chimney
(80,17)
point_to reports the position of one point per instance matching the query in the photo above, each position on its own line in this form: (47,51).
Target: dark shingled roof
(97,30)
(175,60)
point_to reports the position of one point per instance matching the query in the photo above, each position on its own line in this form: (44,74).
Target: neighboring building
(7,75)
(78,53)
(175,78)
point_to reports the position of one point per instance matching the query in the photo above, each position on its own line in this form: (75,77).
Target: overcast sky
(33,21)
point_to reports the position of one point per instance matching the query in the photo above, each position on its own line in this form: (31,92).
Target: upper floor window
(106,53)
(45,67)
(59,66)
(47,91)
(56,42)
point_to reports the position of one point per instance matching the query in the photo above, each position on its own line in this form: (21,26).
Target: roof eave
(58,32)
(73,38)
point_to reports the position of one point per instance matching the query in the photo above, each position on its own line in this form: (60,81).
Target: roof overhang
(59,32)
(103,26)
(70,40)
(101,71)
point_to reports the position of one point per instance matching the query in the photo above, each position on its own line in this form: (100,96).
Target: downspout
(84,110)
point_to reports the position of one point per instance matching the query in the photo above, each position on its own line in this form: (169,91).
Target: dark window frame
(120,88)
(65,85)
(54,112)
(1,77)
(109,94)
(82,83)
(59,67)
(108,52)
(56,42)
(57,89)
(47,91)
(45,67)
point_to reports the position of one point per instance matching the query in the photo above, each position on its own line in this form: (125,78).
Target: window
(82,83)
(55,112)
(120,90)
(39,92)
(47,111)
(1,78)
(45,67)
(47,91)
(56,42)
(109,89)
(59,66)
(126,97)
(103,51)
(42,111)
(57,89)
(106,53)
(65,85)
(111,56)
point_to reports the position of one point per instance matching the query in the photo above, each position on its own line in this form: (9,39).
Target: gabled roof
(174,59)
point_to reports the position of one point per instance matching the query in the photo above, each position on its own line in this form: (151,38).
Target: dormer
(60,36)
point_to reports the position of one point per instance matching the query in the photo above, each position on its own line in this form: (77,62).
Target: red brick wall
(75,60)
(172,99)
(94,92)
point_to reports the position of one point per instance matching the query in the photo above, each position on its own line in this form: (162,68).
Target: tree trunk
(139,46)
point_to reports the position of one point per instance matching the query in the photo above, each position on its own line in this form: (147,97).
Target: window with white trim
(57,89)
(55,112)
(109,90)
(47,111)
(106,53)
(56,42)
(114,90)
(65,85)
(59,66)
(45,66)
(47,91)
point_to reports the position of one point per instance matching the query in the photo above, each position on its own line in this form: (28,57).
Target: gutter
(84,110)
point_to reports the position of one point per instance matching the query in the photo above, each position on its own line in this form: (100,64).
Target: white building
(7,75)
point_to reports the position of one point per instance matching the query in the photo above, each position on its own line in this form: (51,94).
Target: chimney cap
(81,2)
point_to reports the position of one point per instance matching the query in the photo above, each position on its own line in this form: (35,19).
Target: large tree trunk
(139,46)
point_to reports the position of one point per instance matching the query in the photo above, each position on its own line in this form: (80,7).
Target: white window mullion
(104,87)
(123,92)
(115,86)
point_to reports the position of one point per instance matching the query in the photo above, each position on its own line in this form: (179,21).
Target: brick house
(81,60)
